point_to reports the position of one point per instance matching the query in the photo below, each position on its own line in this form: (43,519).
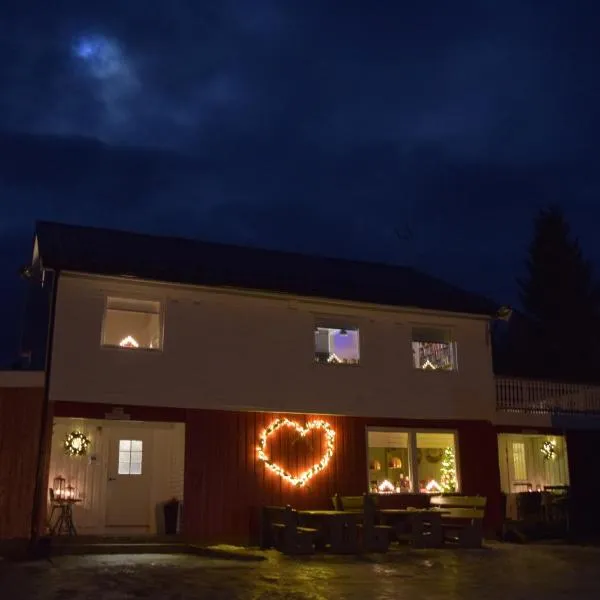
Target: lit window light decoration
(129,342)
(548,449)
(386,487)
(76,444)
(303,478)
(429,365)
(433,486)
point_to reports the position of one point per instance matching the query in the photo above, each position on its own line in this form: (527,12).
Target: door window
(130,457)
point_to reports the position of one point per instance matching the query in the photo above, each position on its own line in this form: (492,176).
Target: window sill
(335,365)
(446,371)
(132,350)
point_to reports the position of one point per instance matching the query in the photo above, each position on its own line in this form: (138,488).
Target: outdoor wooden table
(337,528)
(423,526)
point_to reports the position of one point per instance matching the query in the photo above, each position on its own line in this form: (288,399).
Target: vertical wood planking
(20,415)
(226,485)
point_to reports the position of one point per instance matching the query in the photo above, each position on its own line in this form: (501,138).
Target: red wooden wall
(20,419)
(225,484)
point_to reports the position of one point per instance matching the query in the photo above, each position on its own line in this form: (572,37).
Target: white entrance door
(129,478)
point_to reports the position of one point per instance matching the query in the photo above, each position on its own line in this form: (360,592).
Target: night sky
(426,133)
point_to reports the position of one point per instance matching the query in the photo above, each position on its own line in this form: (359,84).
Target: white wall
(90,477)
(241,351)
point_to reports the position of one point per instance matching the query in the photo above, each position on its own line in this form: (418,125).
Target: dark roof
(118,253)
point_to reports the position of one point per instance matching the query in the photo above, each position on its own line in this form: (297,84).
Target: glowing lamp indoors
(386,487)
(303,478)
(433,486)
(129,342)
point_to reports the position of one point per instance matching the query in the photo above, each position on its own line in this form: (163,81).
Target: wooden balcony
(546,397)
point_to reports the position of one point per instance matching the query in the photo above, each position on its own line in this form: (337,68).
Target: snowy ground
(497,572)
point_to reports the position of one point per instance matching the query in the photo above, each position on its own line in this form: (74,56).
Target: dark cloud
(306,125)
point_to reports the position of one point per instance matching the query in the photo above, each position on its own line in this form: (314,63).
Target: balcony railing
(543,397)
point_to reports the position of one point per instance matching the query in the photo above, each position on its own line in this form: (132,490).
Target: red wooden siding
(20,417)
(225,484)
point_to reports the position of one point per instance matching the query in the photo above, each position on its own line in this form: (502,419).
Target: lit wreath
(548,449)
(303,478)
(77,444)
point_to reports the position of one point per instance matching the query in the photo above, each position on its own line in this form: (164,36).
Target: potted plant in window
(171,513)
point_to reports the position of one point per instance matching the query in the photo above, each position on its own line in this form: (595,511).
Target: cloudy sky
(423,133)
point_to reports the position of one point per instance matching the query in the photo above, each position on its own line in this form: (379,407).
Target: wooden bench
(375,538)
(279,527)
(353,503)
(463,523)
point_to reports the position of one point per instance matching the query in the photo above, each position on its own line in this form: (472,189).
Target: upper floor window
(132,324)
(337,345)
(433,349)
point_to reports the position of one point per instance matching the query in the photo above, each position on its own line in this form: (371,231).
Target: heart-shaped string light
(303,478)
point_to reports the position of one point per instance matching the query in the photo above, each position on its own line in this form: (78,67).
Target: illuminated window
(433,349)
(410,461)
(531,462)
(132,324)
(519,462)
(130,457)
(337,345)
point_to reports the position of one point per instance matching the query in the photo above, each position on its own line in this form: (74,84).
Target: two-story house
(231,378)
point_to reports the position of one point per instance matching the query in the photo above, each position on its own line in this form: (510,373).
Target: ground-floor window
(403,461)
(531,462)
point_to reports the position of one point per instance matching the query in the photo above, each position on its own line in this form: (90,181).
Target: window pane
(136,445)
(337,345)
(434,355)
(436,462)
(124,456)
(389,463)
(519,462)
(124,445)
(123,468)
(136,469)
(132,324)
(136,457)
(532,462)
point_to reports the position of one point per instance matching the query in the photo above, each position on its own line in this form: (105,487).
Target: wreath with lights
(77,444)
(548,449)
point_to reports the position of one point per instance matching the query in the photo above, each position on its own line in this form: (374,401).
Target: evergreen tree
(448,471)
(560,296)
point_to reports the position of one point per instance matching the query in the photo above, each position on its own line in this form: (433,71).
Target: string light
(548,449)
(386,487)
(303,478)
(129,342)
(77,444)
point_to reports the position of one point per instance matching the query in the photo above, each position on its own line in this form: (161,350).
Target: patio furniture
(375,538)
(421,528)
(463,522)
(280,529)
(353,503)
(338,530)
(64,523)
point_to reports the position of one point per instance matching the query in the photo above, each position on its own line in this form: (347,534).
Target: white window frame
(130,452)
(161,322)
(412,453)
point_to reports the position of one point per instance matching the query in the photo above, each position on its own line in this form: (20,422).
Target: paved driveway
(498,572)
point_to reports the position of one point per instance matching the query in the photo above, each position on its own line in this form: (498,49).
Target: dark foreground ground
(498,572)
